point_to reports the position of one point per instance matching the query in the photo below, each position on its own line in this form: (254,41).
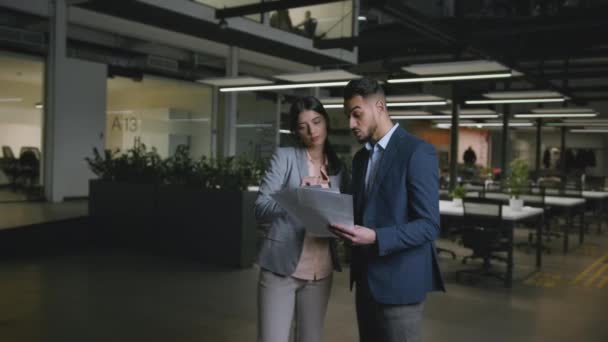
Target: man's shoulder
(411,142)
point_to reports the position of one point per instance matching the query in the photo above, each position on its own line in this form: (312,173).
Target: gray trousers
(281,298)
(384,322)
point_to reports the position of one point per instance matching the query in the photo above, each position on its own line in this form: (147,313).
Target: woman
(296,268)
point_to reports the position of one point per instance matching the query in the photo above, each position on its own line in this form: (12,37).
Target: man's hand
(357,235)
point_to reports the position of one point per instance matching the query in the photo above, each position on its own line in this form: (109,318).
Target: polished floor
(119,295)
(21,213)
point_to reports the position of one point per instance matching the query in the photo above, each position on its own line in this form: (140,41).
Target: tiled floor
(116,295)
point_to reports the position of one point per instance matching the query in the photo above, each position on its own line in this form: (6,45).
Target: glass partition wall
(160,113)
(21,122)
(332,20)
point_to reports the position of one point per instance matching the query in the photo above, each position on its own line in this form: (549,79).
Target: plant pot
(457,202)
(516,204)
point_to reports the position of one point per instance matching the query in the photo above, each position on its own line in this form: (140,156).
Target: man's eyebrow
(355,107)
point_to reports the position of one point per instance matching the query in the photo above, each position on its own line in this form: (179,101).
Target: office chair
(10,165)
(483,233)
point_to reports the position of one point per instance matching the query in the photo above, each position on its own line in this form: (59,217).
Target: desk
(510,217)
(571,205)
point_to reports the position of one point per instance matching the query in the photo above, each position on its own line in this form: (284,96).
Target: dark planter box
(121,211)
(211,226)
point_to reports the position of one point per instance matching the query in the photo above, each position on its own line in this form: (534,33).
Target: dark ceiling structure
(552,45)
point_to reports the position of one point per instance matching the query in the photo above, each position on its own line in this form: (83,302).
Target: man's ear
(381,104)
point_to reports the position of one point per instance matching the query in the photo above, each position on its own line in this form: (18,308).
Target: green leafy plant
(138,165)
(518,177)
(458,192)
(103,166)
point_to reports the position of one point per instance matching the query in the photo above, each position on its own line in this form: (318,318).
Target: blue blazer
(403,208)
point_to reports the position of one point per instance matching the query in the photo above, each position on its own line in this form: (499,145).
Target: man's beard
(368,136)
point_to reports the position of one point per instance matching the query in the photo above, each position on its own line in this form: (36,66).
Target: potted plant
(458,194)
(178,205)
(517,183)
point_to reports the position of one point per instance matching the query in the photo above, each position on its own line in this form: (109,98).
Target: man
(309,25)
(396,206)
(469,157)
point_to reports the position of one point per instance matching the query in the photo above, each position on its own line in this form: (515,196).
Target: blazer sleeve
(423,205)
(266,209)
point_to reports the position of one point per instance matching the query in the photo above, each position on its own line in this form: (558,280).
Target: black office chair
(535,197)
(10,165)
(29,167)
(483,233)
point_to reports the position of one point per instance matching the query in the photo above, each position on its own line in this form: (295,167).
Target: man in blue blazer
(396,206)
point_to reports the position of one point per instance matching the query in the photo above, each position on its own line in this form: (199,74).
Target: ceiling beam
(266,6)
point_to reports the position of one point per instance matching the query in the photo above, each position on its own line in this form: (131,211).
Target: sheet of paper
(316,208)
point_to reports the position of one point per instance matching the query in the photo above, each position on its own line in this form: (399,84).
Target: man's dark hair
(363,87)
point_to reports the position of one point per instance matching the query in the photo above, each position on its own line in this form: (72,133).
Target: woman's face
(312,128)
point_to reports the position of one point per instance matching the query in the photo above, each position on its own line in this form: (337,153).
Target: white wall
(78,124)
(20,127)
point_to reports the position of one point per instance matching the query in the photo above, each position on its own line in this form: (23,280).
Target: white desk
(555,201)
(449,208)
(571,206)
(595,194)
(510,217)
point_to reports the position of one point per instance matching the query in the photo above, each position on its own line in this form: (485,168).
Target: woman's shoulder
(287,152)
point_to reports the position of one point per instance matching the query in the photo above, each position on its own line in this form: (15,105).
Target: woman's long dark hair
(312,103)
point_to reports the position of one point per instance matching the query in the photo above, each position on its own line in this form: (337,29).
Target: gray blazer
(281,248)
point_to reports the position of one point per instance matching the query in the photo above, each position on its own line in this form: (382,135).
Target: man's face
(362,115)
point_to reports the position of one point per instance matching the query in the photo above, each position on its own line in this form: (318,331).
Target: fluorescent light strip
(419,117)
(284,131)
(531,100)
(440,117)
(478,116)
(398,104)
(11,99)
(285,86)
(486,124)
(589,131)
(556,115)
(576,124)
(450,78)
(254,125)
(416,103)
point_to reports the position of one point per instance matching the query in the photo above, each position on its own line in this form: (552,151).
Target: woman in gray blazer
(296,268)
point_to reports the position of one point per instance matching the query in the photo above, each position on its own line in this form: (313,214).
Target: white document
(316,208)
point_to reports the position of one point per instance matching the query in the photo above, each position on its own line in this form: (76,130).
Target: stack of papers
(316,208)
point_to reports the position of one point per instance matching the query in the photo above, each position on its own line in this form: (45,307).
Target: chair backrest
(572,192)
(494,187)
(497,195)
(482,225)
(484,212)
(534,198)
(7,152)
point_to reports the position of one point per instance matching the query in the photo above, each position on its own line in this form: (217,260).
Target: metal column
(232,70)
(454,137)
